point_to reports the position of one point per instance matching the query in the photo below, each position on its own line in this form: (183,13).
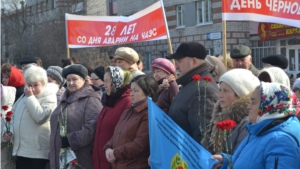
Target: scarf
(111,100)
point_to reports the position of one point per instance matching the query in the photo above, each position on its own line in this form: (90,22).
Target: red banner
(92,31)
(268,31)
(285,12)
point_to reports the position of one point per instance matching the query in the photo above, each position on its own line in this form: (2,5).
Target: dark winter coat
(254,70)
(106,123)
(166,96)
(130,140)
(82,107)
(214,139)
(185,106)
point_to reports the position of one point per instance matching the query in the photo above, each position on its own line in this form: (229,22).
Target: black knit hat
(276,60)
(27,60)
(77,69)
(189,49)
(99,71)
(240,51)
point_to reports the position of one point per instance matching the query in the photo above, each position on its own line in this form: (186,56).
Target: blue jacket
(264,144)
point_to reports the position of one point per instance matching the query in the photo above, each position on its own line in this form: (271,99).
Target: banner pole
(68,52)
(224,43)
(168,34)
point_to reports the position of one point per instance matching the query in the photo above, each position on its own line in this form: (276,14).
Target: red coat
(107,120)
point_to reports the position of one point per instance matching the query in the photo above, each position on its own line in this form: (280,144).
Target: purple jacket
(83,107)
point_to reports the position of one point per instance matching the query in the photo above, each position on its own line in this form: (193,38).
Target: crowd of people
(75,117)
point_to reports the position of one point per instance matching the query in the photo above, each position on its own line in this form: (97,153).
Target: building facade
(201,21)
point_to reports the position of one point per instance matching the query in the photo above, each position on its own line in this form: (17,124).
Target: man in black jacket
(186,110)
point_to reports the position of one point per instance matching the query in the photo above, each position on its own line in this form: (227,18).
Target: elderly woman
(30,125)
(274,138)
(164,71)
(80,105)
(129,145)
(115,102)
(54,74)
(236,87)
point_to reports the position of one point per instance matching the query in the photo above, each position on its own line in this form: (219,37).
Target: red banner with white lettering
(285,12)
(93,31)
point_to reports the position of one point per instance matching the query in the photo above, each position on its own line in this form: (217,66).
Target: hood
(290,126)
(275,74)
(8,95)
(16,78)
(49,89)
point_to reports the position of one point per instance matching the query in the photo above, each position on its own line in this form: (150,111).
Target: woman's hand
(7,136)
(28,91)
(109,153)
(220,161)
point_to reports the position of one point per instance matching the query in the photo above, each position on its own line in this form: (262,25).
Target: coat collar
(185,79)
(237,112)
(85,91)
(139,108)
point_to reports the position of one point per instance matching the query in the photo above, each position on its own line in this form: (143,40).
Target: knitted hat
(189,49)
(215,67)
(56,72)
(274,74)
(240,51)
(296,84)
(276,60)
(128,54)
(77,69)
(275,102)
(117,76)
(99,71)
(241,81)
(27,60)
(163,64)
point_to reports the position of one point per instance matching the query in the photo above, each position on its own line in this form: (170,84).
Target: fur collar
(213,138)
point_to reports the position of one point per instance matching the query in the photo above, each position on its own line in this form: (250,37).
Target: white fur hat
(241,81)
(276,75)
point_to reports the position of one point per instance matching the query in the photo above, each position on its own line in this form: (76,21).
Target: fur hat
(276,60)
(77,69)
(27,60)
(163,64)
(274,74)
(215,67)
(99,71)
(241,81)
(56,72)
(127,54)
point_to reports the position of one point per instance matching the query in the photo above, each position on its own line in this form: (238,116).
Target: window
(148,60)
(262,49)
(179,12)
(204,12)
(163,54)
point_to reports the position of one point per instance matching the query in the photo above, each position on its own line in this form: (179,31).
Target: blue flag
(171,147)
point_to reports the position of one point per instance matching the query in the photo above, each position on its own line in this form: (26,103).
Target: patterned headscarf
(275,102)
(117,75)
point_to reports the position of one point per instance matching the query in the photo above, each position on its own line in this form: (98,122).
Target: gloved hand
(64,142)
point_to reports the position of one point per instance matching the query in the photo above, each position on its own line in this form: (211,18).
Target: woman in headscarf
(116,101)
(274,137)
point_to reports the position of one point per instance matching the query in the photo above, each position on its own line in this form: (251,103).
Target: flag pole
(168,34)
(67,41)
(68,52)
(224,43)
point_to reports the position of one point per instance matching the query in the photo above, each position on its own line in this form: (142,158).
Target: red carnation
(207,78)
(179,167)
(74,162)
(226,125)
(9,113)
(8,118)
(0,115)
(5,107)
(196,77)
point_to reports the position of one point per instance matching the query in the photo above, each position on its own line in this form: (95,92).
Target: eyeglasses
(94,79)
